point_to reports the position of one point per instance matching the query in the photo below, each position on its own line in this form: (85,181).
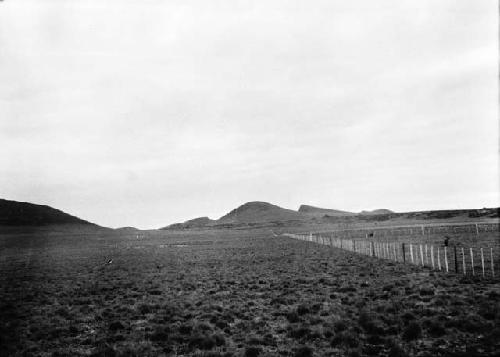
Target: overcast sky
(146,113)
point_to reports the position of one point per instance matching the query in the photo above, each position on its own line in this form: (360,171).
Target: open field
(230,293)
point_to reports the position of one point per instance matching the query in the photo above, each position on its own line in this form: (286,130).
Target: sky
(148,112)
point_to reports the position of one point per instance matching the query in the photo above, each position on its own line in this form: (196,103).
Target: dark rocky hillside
(13,213)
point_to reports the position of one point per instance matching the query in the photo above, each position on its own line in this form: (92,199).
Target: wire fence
(470,229)
(474,261)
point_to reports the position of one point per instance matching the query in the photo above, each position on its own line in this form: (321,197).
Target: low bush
(304,351)
(303,309)
(412,332)
(346,339)
(252,351)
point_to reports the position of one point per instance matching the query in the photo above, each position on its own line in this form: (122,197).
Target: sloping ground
(13,213)
(261,212)
(320,212)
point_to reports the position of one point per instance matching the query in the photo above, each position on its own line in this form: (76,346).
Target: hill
(256,212)
(13,213)
(260,214)
(377,211)
(199,222)
(320,212)
(127,229)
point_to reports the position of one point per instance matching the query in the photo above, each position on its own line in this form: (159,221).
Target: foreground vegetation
(231,293)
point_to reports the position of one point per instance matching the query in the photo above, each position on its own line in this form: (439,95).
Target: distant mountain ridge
(14,213)
(258,213)
(192,223)
(377,211)
(317,211)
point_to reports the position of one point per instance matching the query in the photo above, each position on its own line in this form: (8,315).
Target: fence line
(419,229)
(413,253)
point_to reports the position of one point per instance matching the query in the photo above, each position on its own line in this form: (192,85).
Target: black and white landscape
(242,178)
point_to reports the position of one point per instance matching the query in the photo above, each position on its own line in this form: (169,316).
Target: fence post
(432,257)
(472,260)
(373,249)
(446,260)
(421,255)
(404,256)
(439,260)
(456,264)
(411,253)
(492,267)
(463,261)
(482,261)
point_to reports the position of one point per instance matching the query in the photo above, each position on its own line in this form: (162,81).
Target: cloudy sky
(148,112)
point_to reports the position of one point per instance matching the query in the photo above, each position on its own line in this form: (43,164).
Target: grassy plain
(230,293)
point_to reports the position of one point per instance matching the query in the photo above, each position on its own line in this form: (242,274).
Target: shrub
(255,341)
(300,332)
(221,324)
(144,309)
(252,351)
(304,351)
(408,316)
(488,310)
(412,331)
(219,340)
(396,351)
(185,329)
(303,309)
(161,334)
(426,290)
(104,351)
(202,342)
(116,325)
(347,339)
(339,326)
(436,329)
(375,340)
(293,317)
(203,327)
(369,324)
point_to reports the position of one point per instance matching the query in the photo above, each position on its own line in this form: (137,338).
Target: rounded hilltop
(259,211)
